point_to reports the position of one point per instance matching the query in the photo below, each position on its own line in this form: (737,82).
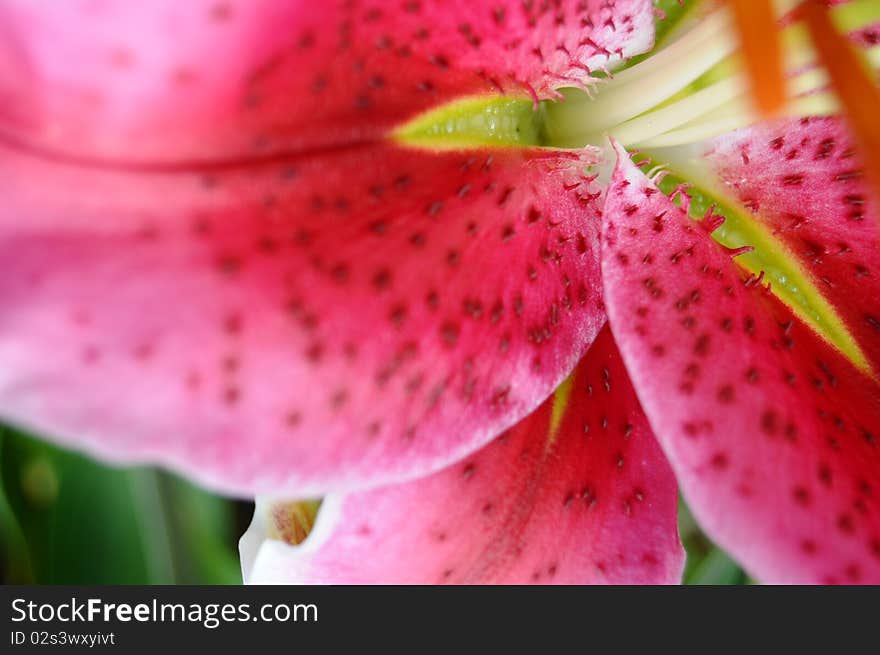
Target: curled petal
(772,432)
(805,181)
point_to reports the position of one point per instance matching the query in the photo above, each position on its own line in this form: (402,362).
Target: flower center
(692,87)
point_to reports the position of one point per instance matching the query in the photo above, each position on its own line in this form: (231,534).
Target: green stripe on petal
(475,122)
(788,279)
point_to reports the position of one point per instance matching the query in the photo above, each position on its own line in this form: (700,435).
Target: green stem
(16,559)
(155,525)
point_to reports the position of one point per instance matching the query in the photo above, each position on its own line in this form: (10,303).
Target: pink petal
(774,436)
(594,502)
(869,36)
(316,323)
(804,181)
(168,80)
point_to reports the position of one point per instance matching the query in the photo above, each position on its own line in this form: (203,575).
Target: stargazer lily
(350,250)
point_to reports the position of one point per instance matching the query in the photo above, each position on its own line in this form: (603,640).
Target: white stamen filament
(656,79)
(679,113)
(724,106)
(626,107)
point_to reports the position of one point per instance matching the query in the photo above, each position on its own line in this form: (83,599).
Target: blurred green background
(65,519)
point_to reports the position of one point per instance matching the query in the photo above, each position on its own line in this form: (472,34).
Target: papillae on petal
(773,434)
(805,182)
(228,79)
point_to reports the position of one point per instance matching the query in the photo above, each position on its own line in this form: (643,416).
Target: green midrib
(789,280)
(476,122)
(489,121)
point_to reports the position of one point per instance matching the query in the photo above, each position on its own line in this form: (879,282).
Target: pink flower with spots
(376,252)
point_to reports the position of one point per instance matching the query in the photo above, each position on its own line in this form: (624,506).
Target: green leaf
(69,520)
(706,563)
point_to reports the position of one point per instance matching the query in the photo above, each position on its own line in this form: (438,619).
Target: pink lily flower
(296,251)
